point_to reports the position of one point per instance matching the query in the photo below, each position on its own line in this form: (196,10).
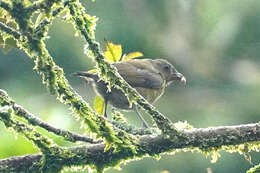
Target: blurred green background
(215,44)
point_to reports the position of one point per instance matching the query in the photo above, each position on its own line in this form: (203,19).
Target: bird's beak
(179,77)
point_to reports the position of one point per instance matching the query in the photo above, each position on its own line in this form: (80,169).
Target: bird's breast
(151,95)
(117,99)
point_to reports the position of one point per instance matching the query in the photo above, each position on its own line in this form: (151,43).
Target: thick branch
(203,138)
(19,163)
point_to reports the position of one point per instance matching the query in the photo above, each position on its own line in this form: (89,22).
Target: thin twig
(33,120)
(10,30)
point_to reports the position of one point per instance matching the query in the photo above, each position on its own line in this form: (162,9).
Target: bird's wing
(138,75)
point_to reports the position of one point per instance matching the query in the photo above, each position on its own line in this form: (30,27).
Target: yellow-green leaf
(92,71)
(113,52)
(99,105)
(132,55)
(108,146)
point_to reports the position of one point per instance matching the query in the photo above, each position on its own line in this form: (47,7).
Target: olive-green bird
(149,77)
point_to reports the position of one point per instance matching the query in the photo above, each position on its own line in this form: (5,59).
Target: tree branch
(203,138)
(19,163)
(33,120)
(5,100)
(9,30)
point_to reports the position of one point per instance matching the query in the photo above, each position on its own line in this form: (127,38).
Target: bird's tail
(86,75)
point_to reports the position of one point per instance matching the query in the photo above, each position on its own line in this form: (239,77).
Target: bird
(149,77)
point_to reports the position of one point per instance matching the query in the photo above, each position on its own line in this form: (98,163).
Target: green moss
(120,141)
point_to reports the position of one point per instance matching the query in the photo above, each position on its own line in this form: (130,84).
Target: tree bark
(202,138)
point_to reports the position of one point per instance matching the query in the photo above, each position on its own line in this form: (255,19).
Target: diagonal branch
(10,30)
(5,100)
(203,138)
(67,135)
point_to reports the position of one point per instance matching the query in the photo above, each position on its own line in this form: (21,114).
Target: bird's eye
(166,67)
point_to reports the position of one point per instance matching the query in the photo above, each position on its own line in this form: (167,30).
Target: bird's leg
(145,125)
(105,111)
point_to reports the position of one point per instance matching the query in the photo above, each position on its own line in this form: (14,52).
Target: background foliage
(215,44)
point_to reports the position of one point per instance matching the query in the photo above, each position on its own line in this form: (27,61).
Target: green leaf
(113,52)
(99,105)
(92,71)
(132,55)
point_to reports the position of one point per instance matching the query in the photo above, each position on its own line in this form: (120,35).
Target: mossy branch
(42,142)
(196,140)
(5,100)
(9,30)
(54,78)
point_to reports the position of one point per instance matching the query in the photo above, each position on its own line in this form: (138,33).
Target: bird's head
(168,71)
